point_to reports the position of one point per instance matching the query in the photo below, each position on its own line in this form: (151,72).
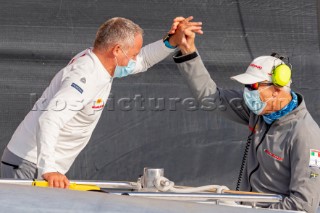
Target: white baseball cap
(260,69)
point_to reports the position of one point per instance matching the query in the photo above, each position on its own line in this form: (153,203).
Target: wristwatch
(166,41)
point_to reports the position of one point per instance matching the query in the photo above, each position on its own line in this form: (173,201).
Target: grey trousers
(15,167)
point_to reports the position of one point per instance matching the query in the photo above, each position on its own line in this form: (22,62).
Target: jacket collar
(294,114)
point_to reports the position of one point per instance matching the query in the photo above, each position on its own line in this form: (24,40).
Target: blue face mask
(253,101)
(123,71)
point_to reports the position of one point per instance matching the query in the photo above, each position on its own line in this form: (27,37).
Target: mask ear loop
(116,61)
(124,53)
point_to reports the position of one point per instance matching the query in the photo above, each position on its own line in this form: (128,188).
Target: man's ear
(116,50)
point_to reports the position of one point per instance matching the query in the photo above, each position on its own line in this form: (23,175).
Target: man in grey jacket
(283,149)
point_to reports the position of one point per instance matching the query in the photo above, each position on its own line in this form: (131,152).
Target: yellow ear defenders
(281,75)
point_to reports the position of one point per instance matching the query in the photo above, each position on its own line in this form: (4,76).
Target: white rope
(139,186)
(165,185)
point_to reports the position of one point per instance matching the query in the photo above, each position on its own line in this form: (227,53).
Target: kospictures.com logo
(137,102)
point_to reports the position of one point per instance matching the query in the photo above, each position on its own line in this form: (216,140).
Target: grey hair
(117,31)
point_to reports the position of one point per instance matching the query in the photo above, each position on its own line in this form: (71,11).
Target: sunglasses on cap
(256,86)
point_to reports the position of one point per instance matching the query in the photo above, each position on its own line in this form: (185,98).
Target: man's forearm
(151,54)
(197,76)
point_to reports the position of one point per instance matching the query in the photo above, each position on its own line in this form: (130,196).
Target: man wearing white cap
(282,155)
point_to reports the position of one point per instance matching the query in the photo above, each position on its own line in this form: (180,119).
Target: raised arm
(204,89)
(155,52)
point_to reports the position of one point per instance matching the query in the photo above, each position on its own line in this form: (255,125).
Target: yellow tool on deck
(72,186)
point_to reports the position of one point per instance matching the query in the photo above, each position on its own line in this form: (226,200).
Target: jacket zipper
(257,167)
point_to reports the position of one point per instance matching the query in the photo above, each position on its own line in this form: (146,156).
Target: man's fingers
(56,183)
(63,181)
(50,181)
(199,23)
(189,33)
(178,19)
(66,183)
(173,27)
(188,19)
(175,24)
(199,31)
(196,29)
(182,23)
(62,184)
(56,180)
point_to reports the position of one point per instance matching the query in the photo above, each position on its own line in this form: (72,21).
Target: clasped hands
(184,32)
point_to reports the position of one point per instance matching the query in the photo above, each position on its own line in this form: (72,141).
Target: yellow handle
(72,186)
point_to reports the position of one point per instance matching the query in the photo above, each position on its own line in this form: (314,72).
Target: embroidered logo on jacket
(98,104)
(314,158)
(77,87)
(273,155)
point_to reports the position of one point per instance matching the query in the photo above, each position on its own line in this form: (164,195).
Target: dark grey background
(38,38)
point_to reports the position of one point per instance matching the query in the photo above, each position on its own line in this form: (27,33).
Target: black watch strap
(166,37)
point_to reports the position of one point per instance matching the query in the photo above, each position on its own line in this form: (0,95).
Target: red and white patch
(273,155)
(98,104)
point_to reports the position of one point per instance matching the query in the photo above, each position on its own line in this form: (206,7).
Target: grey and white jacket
(280,157)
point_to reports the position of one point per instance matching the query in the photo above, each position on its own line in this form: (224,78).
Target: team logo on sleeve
(98,104)
(314,158)
(74,85)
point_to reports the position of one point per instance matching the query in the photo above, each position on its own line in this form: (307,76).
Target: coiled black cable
(244,158)
(243,162)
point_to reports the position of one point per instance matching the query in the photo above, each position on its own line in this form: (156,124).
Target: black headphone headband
(277,55)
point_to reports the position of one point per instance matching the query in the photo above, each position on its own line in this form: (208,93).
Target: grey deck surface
(17,198)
